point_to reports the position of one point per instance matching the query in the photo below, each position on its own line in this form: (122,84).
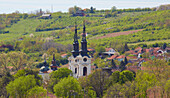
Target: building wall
(79,63)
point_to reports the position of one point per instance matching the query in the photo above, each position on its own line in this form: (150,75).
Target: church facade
(80,61)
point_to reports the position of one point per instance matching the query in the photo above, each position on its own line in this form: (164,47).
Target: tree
(114,91)
(158,67)
(18,59)
(144,81)
(57,75)
(113,64)
(20,86)
(25,72)
(4,80)
(36,92)
(113,9)
(4,61)
(164,46)
(126,61)
(126,48)
(71,10)
(91,10)
(99,82)
(122,66)
(51,50)
(114,78)
(67,87)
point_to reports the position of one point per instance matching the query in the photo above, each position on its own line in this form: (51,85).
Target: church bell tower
(80,61)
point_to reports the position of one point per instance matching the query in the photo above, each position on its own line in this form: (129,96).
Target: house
(64,55)
(79,13)
(109,51)
(139,50)
(112,57)
(120,58)
(46,16)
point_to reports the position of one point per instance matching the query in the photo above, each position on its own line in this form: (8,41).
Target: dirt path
(118,34)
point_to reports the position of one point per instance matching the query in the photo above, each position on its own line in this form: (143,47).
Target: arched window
(84,71)
(75,70)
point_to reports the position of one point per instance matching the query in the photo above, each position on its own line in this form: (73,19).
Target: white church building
(80,61)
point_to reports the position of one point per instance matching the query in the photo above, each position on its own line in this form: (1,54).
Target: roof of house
(112,57)
(120,57)
(91,49)
(131,57)
(64,55)
(46,15)
(107,49)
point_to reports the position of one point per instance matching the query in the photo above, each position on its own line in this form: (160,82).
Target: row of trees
(152,80)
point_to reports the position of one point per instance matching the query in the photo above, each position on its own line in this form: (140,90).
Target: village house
(46,16)
(64,55)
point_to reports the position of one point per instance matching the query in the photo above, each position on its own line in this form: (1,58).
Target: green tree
(167,88)
(4,61)
(91,10)
(4,80)
(114,91)
(99,81)
(126,48)
(113,64)
(164,46)
(126,61)
(25,72)
(20,86)
(18,59)
(113,9)
(122,66)
(67,87)
(144,81)
(55,77)
(36,92)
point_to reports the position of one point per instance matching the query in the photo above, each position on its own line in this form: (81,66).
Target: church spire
(75,51)
(84,42)
(84,31)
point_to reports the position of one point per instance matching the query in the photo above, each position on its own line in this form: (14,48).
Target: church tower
(80,61)
(75,51)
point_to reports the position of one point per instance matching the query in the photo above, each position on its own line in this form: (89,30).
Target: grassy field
(151,42)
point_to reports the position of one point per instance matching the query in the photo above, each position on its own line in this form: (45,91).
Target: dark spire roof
(75,35)
(84,31)
(84,42)
(75,51)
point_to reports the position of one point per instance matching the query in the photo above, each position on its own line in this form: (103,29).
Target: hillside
(154,25)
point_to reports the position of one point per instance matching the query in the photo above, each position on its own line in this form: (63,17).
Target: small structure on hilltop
(80,61)
(46,16)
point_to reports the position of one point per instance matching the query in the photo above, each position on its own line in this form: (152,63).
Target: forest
(28,40)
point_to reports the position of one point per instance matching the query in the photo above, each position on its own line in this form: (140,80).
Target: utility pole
(51,8)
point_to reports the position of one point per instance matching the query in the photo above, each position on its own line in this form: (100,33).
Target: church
(80,61)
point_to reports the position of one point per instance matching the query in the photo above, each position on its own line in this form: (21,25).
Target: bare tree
(18,59)
(4,62)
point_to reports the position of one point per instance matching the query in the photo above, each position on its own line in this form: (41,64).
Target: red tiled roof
(91,49)
(157,48)
(107,49)
(64,54)
(112,57)
(139,48)
(131,57)
(121,56)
